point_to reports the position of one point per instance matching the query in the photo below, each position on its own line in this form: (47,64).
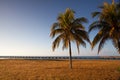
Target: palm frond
(83,34)
(78,39)
(56,42)
(82,20)
(69,14)
(98,25)
(77,26)
(65,43)
(94,25)
(116,44)
(94,14)
(102,42)
(56,32)
(97,38)
(54,26)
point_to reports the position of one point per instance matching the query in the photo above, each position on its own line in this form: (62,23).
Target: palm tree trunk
(70,53)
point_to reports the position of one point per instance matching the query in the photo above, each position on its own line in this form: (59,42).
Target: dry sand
(59,70)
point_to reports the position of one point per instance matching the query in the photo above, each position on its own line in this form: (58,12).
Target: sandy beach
(59,70)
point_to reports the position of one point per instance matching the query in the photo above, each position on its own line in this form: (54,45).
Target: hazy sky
(25,26)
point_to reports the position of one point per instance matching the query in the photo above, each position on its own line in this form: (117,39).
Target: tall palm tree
(108,24)
(69,29)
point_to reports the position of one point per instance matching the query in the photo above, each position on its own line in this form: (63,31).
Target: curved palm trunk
(70,53)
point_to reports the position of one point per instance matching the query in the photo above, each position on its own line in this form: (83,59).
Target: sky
(25,27)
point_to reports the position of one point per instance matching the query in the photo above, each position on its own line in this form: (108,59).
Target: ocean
(62,57)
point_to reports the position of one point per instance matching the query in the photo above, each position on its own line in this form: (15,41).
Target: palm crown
(69,29)
(108,24)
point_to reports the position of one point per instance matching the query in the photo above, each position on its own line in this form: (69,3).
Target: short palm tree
(69,29)
(108,24)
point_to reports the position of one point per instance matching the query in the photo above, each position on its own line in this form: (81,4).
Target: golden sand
(59,70)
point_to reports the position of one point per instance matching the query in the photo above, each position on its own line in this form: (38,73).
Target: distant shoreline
(62,57)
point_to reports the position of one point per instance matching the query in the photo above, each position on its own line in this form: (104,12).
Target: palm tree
(69,29)
(108,24)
